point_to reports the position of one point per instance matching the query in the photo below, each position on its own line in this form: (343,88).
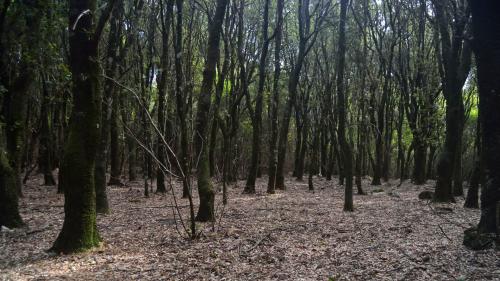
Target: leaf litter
(292,235)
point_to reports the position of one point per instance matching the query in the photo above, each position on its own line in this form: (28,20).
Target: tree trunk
(458,189)
(9,207)
(472,199)
(46,151)
(486,30)
(419,162)
(101,163)
(455,66)
(115,143)
(257,118)
(342,106)
(205,188)
(79,231)
(162,89)
(273,153)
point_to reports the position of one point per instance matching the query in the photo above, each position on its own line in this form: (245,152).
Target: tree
(342,109)
(455,62)
(307,38)
(205,188)
(166,19)
(274,101)
(486,31)
(79,231)
(18,68)
(257,112)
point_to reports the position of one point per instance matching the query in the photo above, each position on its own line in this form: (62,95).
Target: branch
(103,19)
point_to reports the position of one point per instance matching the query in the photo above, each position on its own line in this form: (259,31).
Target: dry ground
(292,235)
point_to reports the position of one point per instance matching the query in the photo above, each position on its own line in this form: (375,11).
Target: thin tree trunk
(257,116)
(273,153)
(342,106)
(205,188)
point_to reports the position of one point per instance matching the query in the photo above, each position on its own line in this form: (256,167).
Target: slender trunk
(472,199)
(109,98)
(166,15)
(46,151)
(458,189)
(430,162)
(115,172)
(420,155)
(181,103)
(303,149)
(257,118)
(342,106)
(273,153)
(205,188)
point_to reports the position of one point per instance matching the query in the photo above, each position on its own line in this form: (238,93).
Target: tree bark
(273,153)
(486,30)
(342,106)
(205,188)
(166,15)
(79,231)
(257,116)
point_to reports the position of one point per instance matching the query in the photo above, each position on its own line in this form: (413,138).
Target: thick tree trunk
(79,231)
(486,29)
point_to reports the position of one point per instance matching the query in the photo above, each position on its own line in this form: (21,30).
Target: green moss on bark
(9,208)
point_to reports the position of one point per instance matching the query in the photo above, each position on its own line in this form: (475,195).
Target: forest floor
(292,235)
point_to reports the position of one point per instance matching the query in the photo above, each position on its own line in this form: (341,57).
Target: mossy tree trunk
(205,188)
(79,231)
(9,207)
